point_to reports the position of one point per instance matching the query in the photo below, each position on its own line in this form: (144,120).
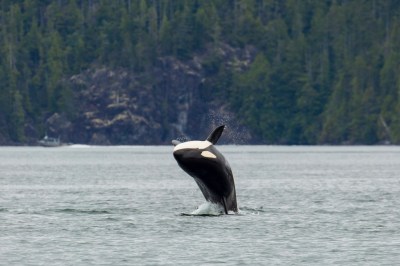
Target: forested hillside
(319,71)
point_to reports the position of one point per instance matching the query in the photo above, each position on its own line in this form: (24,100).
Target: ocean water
(82,205)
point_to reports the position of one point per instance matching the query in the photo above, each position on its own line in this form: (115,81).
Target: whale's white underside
(197,144)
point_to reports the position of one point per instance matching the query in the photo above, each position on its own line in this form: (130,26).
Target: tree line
(325,71)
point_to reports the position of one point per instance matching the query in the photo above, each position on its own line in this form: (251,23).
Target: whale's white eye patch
(208,154)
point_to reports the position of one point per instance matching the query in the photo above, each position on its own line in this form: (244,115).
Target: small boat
(50,142)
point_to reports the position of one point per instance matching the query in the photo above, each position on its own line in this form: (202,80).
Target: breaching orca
(208,167)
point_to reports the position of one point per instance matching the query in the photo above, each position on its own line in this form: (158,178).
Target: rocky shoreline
(122,107)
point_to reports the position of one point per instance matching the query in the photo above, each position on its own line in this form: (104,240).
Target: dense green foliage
(325,72)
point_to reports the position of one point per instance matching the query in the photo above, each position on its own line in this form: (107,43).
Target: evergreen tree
(326,71)
(54,71)
(17,118)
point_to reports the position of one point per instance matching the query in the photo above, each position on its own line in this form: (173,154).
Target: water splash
(183,138)
(235,132)
(206,209)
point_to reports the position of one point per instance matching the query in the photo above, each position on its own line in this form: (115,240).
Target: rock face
(110,109)
(118,106)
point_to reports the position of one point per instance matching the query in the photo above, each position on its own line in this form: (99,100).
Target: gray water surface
(123,206)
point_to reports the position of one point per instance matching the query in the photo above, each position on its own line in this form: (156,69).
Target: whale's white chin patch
(208,154)
(197,144)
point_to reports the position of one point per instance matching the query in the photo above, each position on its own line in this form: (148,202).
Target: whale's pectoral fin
(175,142)
(216,134)
(224,202)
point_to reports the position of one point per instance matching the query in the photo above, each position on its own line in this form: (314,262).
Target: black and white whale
(209,168)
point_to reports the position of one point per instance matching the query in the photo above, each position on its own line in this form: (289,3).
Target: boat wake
(79,146)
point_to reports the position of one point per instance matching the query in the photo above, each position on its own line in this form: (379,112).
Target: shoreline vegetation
(145,72)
